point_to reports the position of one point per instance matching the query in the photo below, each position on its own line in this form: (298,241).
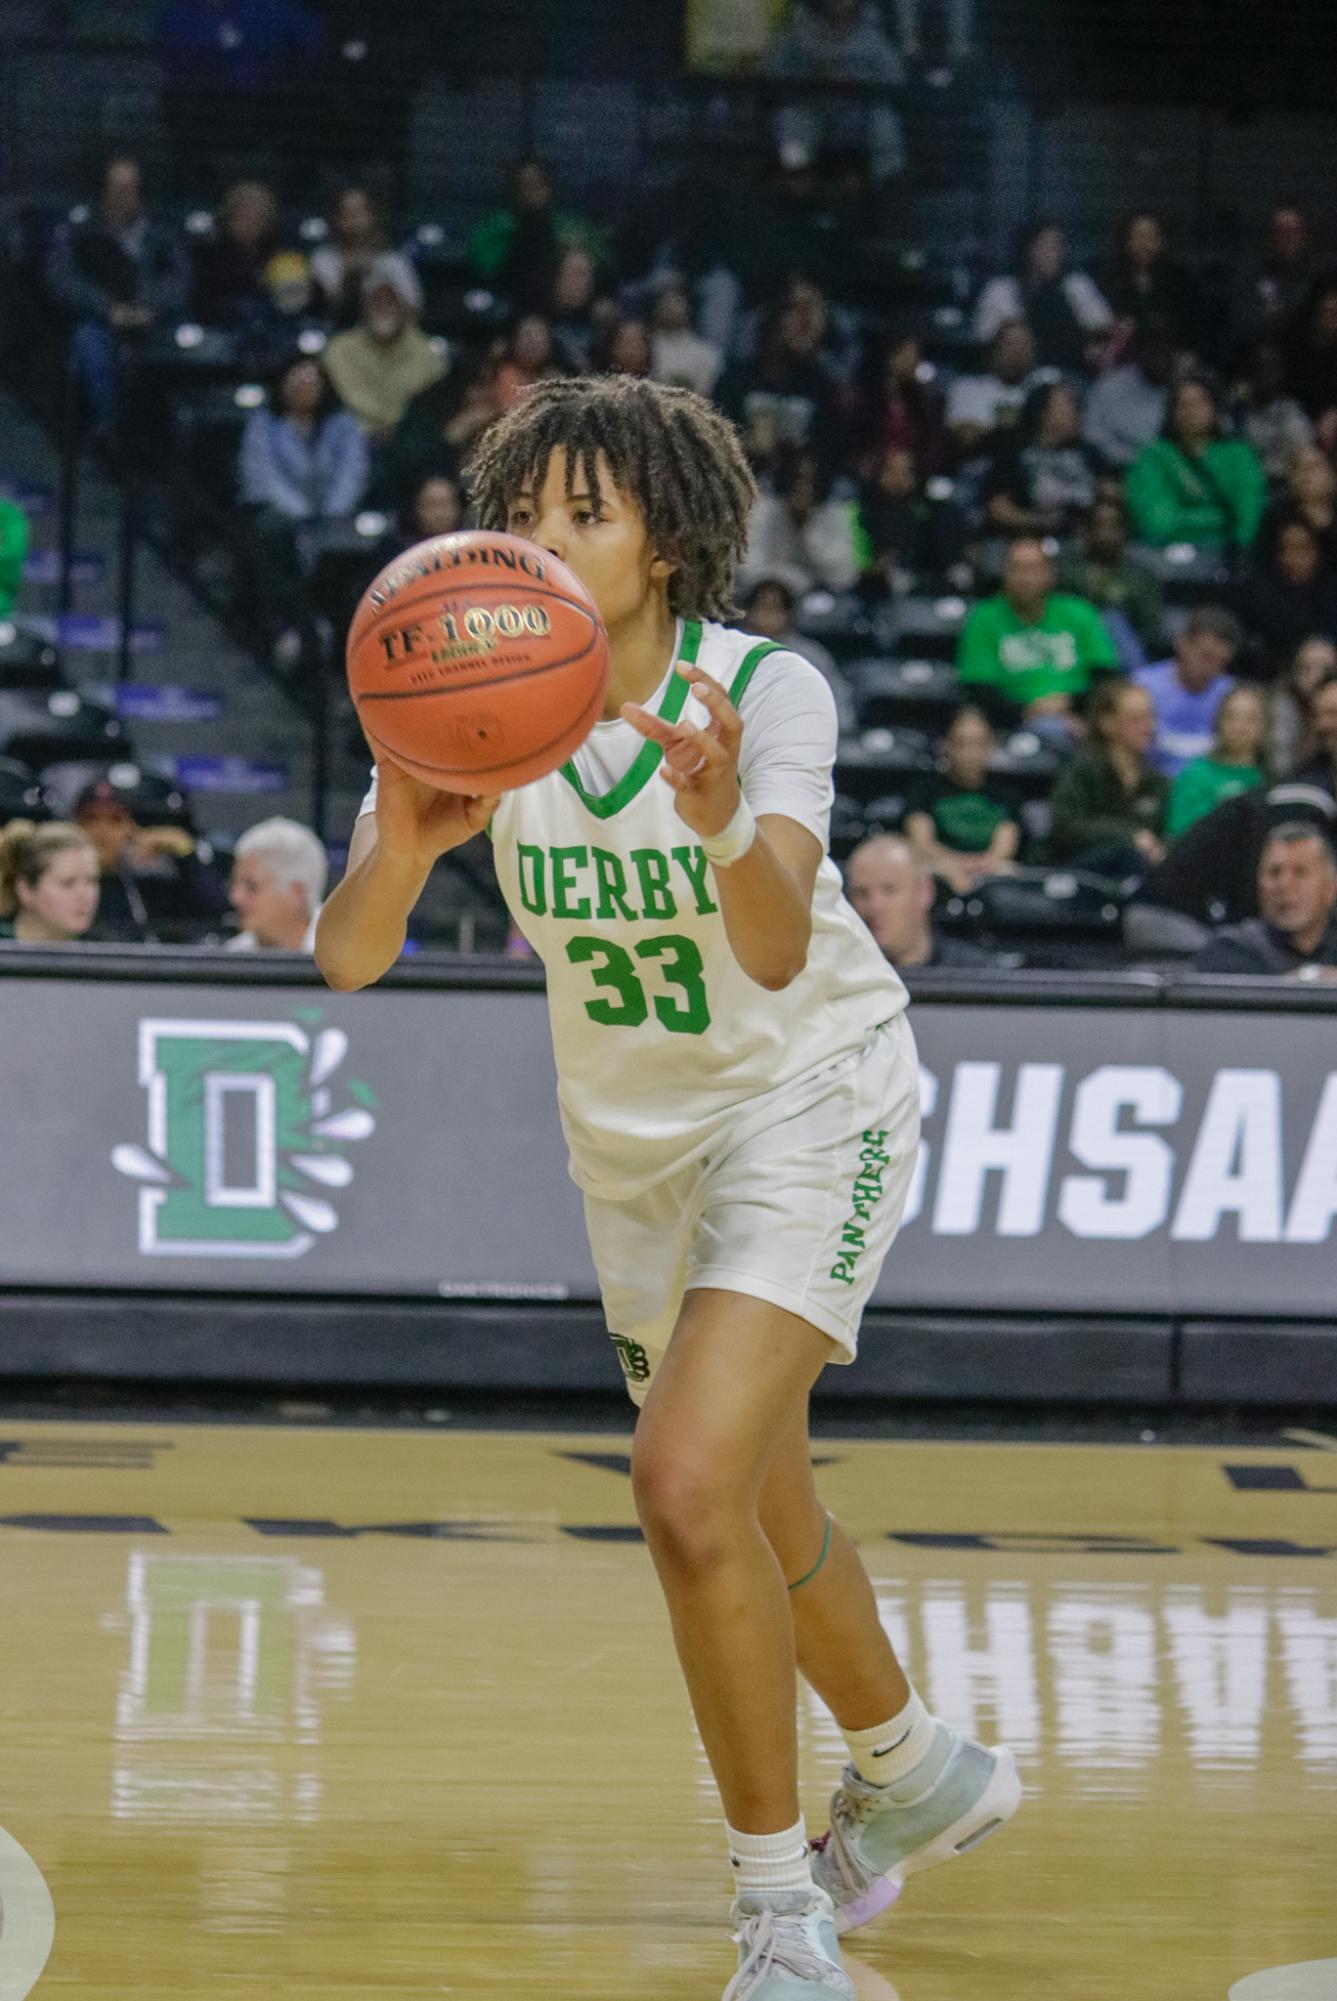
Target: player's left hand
(700,764)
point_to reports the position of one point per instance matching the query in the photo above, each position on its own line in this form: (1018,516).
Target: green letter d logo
(239,1130)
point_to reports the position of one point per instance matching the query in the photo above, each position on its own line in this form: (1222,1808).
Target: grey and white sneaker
(955,1797)
(787,1949)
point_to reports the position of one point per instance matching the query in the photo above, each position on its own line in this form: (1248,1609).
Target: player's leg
(916,1792)
(843,1651)
(735,1373)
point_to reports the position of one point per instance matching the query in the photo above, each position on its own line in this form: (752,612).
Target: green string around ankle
(808,1575)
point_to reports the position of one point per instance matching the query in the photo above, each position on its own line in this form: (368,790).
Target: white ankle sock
(764,1862)
(890,1750)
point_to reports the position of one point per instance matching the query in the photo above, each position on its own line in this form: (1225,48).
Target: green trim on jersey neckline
(648,759)
(646,763)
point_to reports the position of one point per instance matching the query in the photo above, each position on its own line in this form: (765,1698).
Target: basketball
(477,661)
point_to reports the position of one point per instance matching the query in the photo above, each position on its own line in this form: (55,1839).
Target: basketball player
(739,1093)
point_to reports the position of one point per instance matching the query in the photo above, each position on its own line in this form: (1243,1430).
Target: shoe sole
(994,1808)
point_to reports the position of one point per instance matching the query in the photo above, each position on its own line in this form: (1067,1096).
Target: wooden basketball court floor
(385,1714)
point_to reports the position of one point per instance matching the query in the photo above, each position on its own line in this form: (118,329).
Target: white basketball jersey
(663,1043)
(664,1046)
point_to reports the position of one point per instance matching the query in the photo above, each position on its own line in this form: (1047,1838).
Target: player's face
(605,546)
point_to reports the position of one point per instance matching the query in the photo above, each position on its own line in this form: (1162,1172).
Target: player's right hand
(419,823)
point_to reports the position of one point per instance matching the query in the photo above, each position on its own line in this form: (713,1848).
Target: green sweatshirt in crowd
(1026,660)
(1215,501)
(493,239)
(1202,785)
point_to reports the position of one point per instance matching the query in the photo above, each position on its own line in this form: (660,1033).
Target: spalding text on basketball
(467,554)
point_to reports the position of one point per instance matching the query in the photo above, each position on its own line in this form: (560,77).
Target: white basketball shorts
(800,1213)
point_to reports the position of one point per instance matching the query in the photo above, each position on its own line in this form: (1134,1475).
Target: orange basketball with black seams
(478,662)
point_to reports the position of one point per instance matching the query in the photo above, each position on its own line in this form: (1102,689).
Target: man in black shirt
(1297,896)
(158,882)
(893,893)
(117,272)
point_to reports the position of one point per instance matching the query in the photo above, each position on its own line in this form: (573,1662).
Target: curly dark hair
(670,451)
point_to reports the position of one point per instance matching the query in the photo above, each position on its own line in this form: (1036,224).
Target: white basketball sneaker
(955,1797)
(787,1949)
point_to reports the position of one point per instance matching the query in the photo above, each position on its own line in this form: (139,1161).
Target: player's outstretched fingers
(649,724)
(722,711)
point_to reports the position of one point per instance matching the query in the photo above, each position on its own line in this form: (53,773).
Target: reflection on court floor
(388,1713)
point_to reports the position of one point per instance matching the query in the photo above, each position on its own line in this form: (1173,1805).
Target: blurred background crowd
(1053,508)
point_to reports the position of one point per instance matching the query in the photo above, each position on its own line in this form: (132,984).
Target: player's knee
(687,1508)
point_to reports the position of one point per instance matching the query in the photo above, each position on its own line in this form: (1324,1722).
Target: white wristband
(733,841)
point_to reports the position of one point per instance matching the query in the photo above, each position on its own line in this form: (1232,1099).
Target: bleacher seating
(1054,917)
(21,795)
(921,694)
(154,797)
(41,728)
(27,660)
(926,628)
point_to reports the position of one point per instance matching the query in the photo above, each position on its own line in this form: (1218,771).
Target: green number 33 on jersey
(614,968)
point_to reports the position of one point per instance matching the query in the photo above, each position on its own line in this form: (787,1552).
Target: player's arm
(765,895)
(361,930)
(765,900)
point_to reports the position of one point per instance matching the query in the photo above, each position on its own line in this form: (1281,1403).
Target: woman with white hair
(278,883)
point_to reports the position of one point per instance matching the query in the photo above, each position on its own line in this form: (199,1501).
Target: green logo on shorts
(864,1196)
(635,1362)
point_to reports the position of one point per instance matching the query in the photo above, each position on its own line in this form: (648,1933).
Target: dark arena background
(329,1656)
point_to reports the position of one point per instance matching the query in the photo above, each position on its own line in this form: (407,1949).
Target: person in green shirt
(1109,805)
(1033,647)
(1235,762)
(517,246)
(1101,570)
(13,552)
(1192,484)
(959,825)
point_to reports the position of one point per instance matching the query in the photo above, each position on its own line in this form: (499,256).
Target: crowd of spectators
(116,874)
(1115,490)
